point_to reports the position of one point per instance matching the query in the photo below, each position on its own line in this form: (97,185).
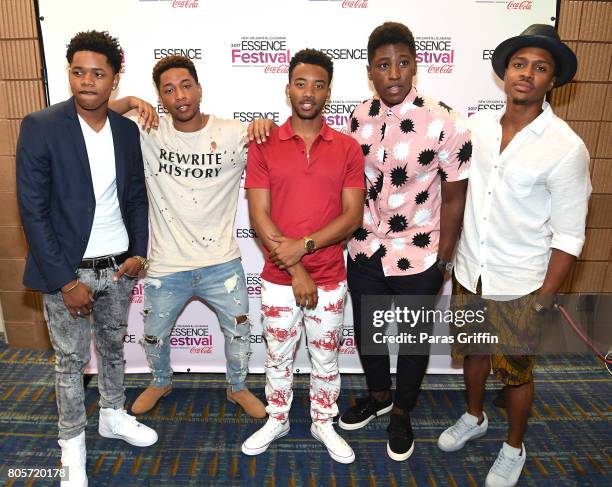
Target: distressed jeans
(71,339)
(223,288)
(282,323)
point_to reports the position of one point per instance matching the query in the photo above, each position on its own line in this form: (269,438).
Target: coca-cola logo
(347,3)
(185,3)
(519,5)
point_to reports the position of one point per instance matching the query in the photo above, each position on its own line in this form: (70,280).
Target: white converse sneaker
(466,428)
(117,423)
(507,468)
(74,455)
(259,441)
(337,448)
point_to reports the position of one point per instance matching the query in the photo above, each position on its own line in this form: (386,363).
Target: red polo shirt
(306,192)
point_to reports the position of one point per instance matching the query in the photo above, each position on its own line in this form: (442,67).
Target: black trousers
(366,277)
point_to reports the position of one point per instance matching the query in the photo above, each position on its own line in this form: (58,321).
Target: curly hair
(390,33)
(170,62)
(312,56)
(100,42)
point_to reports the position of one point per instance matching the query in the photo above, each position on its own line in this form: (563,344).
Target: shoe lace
(459,428)
(503,464)
(327,432)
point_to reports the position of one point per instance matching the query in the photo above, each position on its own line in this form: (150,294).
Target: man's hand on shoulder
(147,115)
(259,129)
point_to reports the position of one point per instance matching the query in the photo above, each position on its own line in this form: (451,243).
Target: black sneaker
(401,440)
(364,411)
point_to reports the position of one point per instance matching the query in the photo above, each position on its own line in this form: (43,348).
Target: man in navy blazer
(83,204)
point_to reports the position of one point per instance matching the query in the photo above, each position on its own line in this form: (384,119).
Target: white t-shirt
(108,234)
(193,179)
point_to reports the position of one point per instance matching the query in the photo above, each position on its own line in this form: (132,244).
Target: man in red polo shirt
(306,191)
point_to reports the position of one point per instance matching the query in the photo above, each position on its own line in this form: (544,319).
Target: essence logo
(342,54)
(195,54)
(196,339)
(250,116)
(269,53)
(485,105)
(436,54)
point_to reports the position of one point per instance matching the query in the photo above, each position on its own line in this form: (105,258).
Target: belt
(103,262)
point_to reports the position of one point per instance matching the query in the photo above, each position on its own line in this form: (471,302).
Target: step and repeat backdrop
(241,50)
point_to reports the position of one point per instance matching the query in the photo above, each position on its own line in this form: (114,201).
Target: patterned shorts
(515,322)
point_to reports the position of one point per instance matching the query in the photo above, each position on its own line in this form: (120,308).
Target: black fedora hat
(545,37)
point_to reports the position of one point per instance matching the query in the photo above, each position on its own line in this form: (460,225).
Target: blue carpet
(568,442)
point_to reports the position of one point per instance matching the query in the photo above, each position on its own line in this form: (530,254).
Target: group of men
(89,182)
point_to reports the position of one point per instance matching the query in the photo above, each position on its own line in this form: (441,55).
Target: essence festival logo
(195,339)
(337,113)
(347,342)
(490,104)
(346,3)
(176,3)
(248,117)
(268,53)
(435,54)
(137,293)
(346,54)
(245,233)
(253,284)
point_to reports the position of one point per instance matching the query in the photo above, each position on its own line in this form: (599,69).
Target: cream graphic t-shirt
(193,181)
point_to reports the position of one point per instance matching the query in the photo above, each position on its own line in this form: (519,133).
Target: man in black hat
(523,228)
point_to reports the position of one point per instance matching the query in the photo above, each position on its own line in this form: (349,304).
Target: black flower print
(366,149)
(360,258)
(404,264)
(407,125)
(422,240)
(361,234)
(442,173)
(426,156)
(444,105)
(421,197)
(354,125)
(374,108)
(382,131)
(418,101)
(383,250)
(399,176)
(465,153)
(397,223)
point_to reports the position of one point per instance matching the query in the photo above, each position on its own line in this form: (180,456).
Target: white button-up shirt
(521,203)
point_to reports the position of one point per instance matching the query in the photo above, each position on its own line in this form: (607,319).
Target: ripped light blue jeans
(223,288)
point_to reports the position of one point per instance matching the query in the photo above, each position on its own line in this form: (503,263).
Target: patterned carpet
(568,442)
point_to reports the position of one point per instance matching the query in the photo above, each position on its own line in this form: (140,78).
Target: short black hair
(390,33)
(312,56)
(100,42)
(169,62)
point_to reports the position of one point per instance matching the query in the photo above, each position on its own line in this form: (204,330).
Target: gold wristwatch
(309,245)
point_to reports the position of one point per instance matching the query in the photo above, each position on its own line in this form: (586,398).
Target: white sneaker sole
(460,445)
(131,441)
(400,457)
(356,426)
(256,451)
(338,458)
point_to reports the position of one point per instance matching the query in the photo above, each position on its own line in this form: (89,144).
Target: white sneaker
(337,448)
(259,441)
(466,428)
(74,455)
(117,423)
(507,468)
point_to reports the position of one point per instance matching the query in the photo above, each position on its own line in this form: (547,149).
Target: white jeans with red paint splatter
(282,322)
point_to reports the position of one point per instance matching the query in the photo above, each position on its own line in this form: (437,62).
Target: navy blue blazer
(56,195)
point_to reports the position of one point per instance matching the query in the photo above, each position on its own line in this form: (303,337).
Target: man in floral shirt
(417,154)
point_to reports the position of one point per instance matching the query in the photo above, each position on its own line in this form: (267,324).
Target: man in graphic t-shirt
(193,166)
